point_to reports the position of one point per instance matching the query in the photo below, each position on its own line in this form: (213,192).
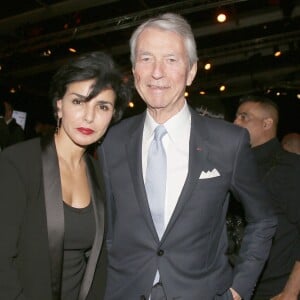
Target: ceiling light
(73,50)
(277,51)
(222,88)
(207,66)
(46,52)
(221,17)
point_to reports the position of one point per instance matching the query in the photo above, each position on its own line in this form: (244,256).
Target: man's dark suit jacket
(4,134)
(191,256)
(16,133)
(32,225)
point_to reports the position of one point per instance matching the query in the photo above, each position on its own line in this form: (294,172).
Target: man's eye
(145,58)
(171,60)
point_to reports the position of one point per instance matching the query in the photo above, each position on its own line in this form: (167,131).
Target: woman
(51,207)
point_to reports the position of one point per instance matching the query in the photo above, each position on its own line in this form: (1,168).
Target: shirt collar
(177,126)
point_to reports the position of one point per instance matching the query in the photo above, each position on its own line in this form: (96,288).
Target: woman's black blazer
(32,225)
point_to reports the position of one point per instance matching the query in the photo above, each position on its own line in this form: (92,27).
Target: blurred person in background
(52,217)
(280,172)
(291,142)
(16,132)
(4,132)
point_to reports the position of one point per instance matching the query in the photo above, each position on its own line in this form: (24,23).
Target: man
(16,133)
(291,142)
(175,248)
(4,133)
(280,173)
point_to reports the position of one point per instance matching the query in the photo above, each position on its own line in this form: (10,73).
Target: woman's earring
(58,124)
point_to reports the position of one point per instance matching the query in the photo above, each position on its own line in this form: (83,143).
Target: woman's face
(84,123)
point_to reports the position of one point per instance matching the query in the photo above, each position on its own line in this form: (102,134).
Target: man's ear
(191,75)
(268,123)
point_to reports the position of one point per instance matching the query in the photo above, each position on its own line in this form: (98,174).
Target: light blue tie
(155,182)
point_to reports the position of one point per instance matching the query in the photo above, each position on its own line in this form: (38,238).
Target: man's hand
(284,296)
(291,290)
(235,295)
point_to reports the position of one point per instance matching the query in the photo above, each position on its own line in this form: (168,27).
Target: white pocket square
(209,174)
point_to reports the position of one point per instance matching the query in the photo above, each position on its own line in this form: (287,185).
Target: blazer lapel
(96,185)
(198,155)
(54,214)
(134,156)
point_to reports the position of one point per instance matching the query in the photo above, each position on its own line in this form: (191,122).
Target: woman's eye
(76,101)
(103,107)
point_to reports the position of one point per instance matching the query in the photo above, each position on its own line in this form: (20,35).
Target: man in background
(291,142)
(280,172)
(16,132)
(4,133)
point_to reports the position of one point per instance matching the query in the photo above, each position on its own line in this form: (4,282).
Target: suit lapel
(96,185)
(134,156)
(198,156)
(54,214)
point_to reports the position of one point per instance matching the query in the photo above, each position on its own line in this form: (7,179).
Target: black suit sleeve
(260,217)
(12,207)
(285,190)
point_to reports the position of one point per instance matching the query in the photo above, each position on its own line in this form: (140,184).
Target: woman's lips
(86,131)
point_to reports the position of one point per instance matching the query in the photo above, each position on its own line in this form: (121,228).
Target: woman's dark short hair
(94,65)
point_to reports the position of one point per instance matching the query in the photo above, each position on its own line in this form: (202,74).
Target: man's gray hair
(169,22)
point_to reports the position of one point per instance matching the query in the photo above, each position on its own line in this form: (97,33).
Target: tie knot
(159,132)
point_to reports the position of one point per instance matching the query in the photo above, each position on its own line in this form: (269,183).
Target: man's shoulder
(290,159)
(220,128)
(25,148)
(126,126)
(14,126)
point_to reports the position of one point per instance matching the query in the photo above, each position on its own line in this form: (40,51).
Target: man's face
(162,70)
(251,116)
(8,111)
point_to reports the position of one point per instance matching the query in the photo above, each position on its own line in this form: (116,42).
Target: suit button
(142,297)
(160,252)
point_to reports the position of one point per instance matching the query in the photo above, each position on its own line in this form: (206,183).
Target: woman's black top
(78,241)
